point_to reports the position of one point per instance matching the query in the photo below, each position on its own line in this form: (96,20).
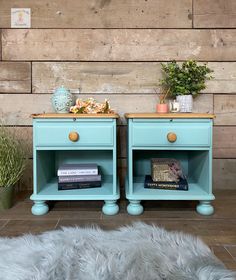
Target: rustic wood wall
(113,49)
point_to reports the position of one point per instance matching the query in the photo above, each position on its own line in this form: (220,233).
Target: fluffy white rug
(137,252)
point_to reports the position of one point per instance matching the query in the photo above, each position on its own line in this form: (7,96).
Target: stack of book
(78,176)
(166,174)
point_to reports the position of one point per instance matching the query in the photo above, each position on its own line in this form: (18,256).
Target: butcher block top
(169,116)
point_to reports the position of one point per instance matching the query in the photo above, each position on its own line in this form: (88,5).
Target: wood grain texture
(74,116)
(25,136)
(232,251)
(224,173)
(214,13)
(221,253)
(102,13)
(0,44)
(225,109)
(224,142)
(224,78)
(96,77)
(118,44)
(169,116)
(118,77)
(15,77)
(40,103)
(19,227)
(122,142)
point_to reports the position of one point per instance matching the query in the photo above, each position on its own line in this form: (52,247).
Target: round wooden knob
(73,136)
(172,137)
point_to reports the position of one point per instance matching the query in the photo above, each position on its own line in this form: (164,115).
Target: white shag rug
(137,252)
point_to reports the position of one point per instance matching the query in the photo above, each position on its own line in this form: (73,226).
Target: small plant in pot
(162,107)
(185,81)
(12,165)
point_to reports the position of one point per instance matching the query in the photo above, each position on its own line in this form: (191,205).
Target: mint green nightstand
(69,138)
(186,137)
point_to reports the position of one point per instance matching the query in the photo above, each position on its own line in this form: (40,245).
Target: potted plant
(12,165)
(185,81)
(162,107)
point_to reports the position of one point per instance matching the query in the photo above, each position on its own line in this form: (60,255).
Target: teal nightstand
(186,137)
(69,138)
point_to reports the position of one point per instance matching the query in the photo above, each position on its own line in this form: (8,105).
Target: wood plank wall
(113,49)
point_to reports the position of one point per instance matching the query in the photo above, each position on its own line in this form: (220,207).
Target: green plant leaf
(185,78)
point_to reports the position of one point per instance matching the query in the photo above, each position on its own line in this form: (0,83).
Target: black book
(182,185)
(79,185)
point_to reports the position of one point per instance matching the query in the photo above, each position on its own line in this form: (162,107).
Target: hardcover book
(78,169)
(79,178)
(78,185)
(181,185)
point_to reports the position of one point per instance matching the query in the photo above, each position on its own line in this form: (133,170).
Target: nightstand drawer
(171,134)
(70,134)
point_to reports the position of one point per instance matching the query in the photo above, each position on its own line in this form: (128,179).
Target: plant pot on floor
(162,108)
(185,102)
(6,197)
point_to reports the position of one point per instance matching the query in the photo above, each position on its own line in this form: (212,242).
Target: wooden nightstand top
(72,116)
(169,116)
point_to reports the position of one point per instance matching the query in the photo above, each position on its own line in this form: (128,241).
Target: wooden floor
(218,231)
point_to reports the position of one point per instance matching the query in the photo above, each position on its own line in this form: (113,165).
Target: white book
(77,169)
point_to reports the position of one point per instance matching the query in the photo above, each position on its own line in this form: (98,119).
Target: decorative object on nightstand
(166,173)
(162,107)
(185,81)
(53,148)
(184,137)
(174,106)
(166,169)
(12,165)
(91,106)
(62,100)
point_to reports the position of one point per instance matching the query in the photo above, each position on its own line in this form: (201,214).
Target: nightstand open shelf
(148,138)
(52,148)
(195,192)
(50,191)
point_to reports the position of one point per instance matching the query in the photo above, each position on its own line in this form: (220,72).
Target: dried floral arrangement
(164,94)
(91,106)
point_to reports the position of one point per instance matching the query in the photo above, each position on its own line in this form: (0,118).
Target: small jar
(62,100)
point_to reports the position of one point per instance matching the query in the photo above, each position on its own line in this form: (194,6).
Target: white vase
(185,102)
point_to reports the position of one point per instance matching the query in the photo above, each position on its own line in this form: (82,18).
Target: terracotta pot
(162,108)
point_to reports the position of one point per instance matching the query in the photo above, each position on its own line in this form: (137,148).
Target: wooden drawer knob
(172,137)
(73,136)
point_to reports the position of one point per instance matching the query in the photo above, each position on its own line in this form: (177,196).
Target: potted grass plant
(12,165)
(185,81)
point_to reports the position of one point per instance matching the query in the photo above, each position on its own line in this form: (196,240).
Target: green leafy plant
(12,158)
(186,78)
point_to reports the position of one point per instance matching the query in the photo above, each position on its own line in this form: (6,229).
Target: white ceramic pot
(185,102)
